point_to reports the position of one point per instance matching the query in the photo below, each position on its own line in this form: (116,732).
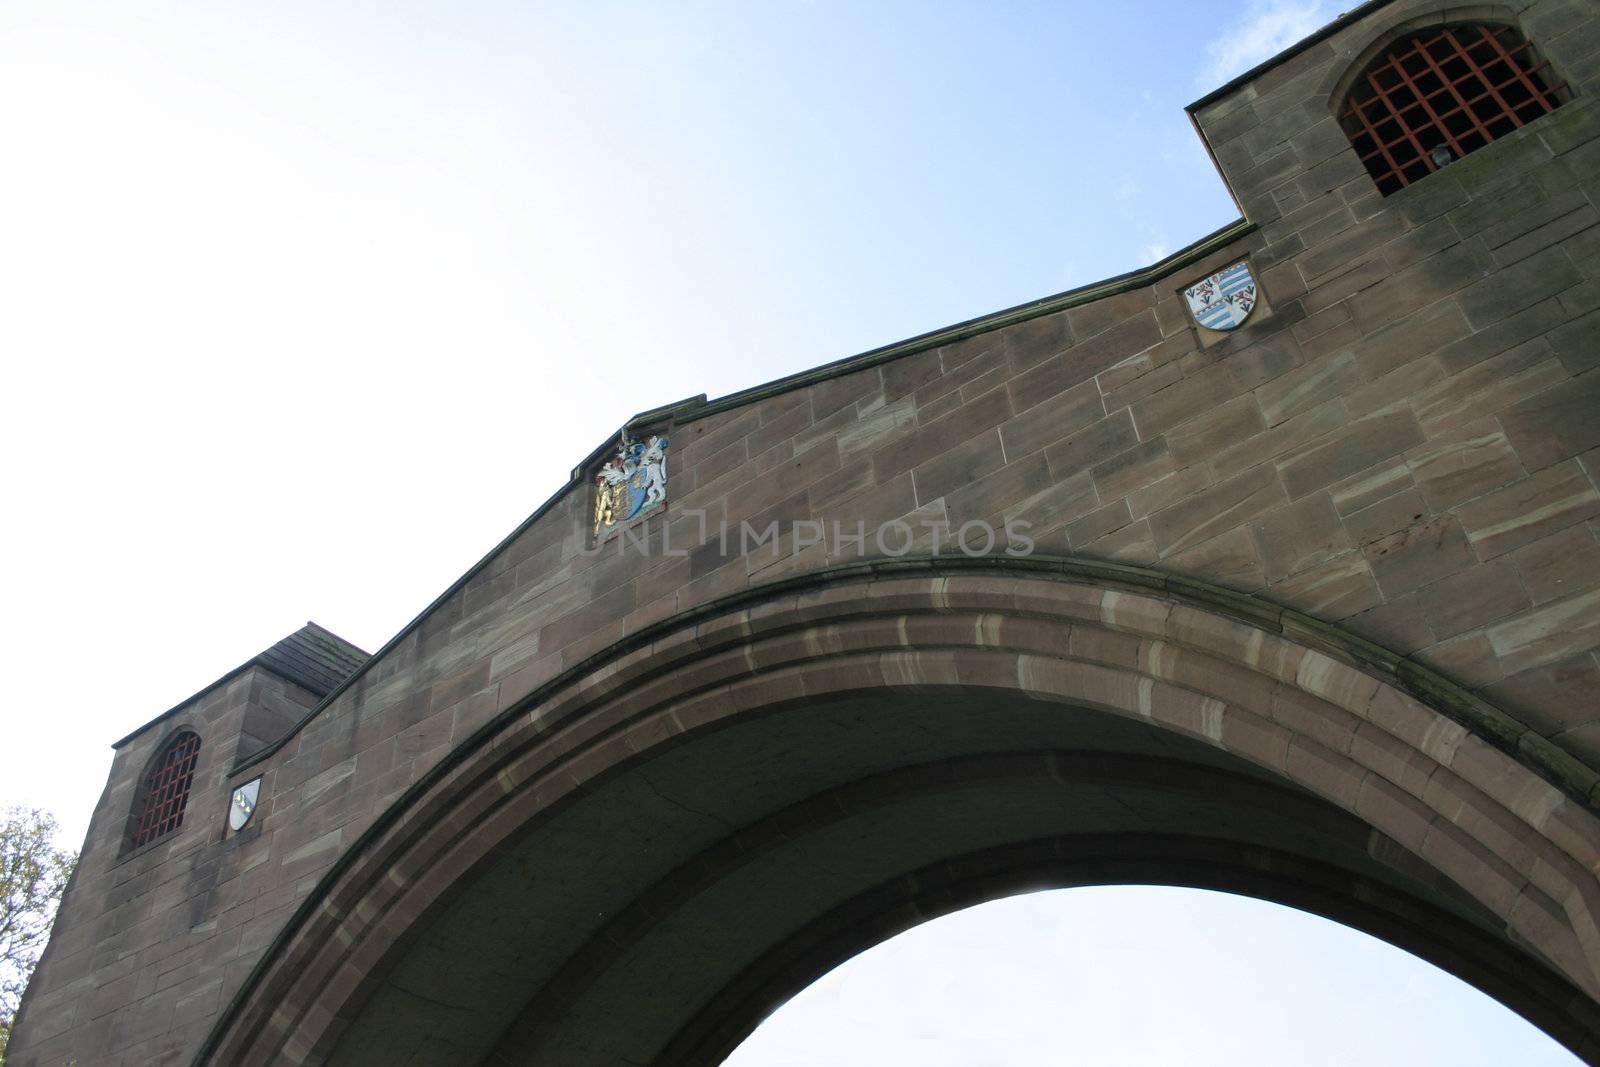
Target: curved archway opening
(1134,975)
(661,914)
(641,865)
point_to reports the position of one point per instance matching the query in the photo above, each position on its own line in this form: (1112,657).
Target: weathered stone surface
(1041,424)
(1406,380)
(1555,631)
(1389,515)
(959,467)
(1507,334)
(1371,486)
(1134,469)
(1300,535)
(1488,387)
(1554,699)
(1563,563)
(1467,601)
(1058,503)
(1097,524)
(1216,509)
(1577,344)
(1334,589)
(1168,490)
(1307,387)
(1230,559)
(1403,444)
(1529,509)
(1129,544)
(1394,346)
(1181,401)
(1423,552)
(1397,625)
(1518,286)
(988,498)
(1280,440)
(1464,463)
(1409,290)
(1468,659)
(1355,448)
(1560,422)
(1210,432)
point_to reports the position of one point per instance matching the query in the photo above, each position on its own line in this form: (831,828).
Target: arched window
(165,790)
(1438,94)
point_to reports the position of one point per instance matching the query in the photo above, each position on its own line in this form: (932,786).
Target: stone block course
(1489,387)
(1391,347)
(1132,470)
(1308,386)
(1041,425)
(1216,509)
(1109,437)
(1300,535)
(1334,589)
(1527,510)
(1168,490)
(1555,631)
(1464,463)
(1468,601)
(1229,458)
(1557,423)
(1356,447)
(1423,551)
(1198,392)
(1565,562)
(1518,286)
(1209,432)
(1408,290)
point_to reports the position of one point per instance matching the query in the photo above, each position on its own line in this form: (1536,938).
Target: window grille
(166,790)
(1443,93)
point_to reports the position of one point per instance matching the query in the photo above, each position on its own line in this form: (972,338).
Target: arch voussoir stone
(1303,715)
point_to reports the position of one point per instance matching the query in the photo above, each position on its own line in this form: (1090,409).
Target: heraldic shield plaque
(1225,299)
(243,804)
(632,485)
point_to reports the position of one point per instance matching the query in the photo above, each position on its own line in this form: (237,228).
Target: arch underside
(642,865)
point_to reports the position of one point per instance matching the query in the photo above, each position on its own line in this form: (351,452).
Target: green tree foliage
(33,875)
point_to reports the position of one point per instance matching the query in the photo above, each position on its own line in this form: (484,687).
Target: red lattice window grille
(1440,94)
(166,790)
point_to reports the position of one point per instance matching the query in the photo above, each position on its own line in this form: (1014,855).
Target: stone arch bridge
(1081,592)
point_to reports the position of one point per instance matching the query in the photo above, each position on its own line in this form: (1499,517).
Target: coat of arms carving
(631,485)
(1225,299)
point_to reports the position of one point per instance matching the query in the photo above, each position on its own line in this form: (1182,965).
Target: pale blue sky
(303,306)
(1131,976)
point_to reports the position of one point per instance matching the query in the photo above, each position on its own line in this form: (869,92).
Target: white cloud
(1153,252)
(1264,30)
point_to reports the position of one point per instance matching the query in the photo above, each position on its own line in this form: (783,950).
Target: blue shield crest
(632,485)
(1225,299)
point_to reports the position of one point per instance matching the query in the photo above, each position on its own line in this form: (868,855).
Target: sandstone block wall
(146,928)
(1405,441)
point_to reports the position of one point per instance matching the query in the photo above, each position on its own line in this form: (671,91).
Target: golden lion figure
(611,486)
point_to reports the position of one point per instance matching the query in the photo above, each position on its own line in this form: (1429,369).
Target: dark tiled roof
(313,658)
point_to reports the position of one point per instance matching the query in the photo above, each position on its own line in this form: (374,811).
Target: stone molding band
(1217,665)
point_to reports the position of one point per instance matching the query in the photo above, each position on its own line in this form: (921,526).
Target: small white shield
(243,804)
(1224,300)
